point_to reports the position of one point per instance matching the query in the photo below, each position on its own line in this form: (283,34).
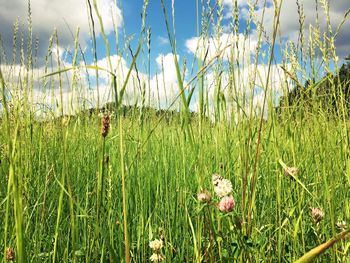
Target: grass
(71,194)
(162,182)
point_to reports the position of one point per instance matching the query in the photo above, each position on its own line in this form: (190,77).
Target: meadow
(134,183)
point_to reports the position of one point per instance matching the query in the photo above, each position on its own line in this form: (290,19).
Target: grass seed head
(291,172)
(317,214)
(105,125)
(10,254)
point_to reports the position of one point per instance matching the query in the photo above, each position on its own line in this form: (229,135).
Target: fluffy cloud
(337,9)
(166,63)
(160,90)
(237,87)
(164,86)
(48,15)
(162,41)
(244,87)
(79,88)
(231,44)
(289,19)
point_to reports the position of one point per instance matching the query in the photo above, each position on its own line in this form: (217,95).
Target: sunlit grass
(80,186)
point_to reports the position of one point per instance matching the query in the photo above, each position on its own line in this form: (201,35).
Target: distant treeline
(331,94)
(133,110)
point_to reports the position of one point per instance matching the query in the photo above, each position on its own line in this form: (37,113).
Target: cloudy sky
(66,16)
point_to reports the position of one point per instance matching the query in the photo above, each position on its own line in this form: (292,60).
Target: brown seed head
(317,214)
(10,254)
(105,125)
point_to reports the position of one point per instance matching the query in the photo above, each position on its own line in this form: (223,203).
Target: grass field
(91,187)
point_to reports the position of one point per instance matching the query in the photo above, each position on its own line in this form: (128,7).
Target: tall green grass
(71,194)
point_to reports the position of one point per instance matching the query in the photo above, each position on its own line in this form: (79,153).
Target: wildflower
(226,204)
(105,125)
(157,257)
(291,171)
(204,197)
(156,245)
(10,254)
(341,225)
(317,214)
(222,186)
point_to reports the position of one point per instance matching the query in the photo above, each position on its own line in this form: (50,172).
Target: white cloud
(243,6)
(289,20)
(160,90)
(243,88)
(162,41)
(164,86)
(232,2)
(166,63)
(230,43)
(48,15)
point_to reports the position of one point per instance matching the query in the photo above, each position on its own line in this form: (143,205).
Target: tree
(326,93)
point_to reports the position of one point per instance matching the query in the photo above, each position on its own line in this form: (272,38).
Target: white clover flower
(341,225)
(156,245)
(157,257)
(222,186)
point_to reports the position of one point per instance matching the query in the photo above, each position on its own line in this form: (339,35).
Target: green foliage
(331,94)
(162,180)
(73,191)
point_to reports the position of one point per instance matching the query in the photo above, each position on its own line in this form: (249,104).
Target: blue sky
(185,22)
(61,14)
(58,14)
(185,25)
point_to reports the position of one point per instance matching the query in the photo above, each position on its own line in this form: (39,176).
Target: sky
(66,16)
